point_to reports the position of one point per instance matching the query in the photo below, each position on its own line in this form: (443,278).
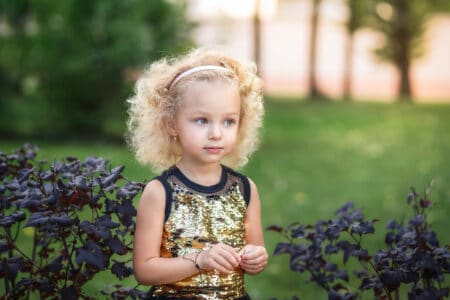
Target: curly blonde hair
(157,98)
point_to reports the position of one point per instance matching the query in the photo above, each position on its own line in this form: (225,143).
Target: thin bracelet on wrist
(194,260)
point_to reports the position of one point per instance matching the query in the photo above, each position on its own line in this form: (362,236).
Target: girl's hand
(253,258)
(220,257)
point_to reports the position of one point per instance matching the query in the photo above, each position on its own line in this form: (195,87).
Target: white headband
(197,69)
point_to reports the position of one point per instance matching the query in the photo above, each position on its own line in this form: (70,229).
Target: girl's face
(207,121)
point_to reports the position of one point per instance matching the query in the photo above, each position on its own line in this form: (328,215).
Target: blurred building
(285,46)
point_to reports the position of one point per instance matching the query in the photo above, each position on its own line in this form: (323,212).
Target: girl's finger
(229,254)
(223,262)
(254,253)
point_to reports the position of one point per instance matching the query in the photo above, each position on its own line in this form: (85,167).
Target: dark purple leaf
(24,173)
(345,208)
(13,266)
(105,221)
(126,212)
(26,282)
(12,186)
(92,255)
(417,220)
(4,246)
(71,158)
(110,188)
(389,238)
(392,225)
(331,249)
(430,237)
(363,228)
(410,277)
(343,275)
(61,219)
(333,232)
(425,203)
(95,230)
(121,270)
(334,295)
(118,170)
(282,248)
(371,283)
(361,273)
(330,267)
(7,221)
(37,219)
(361,254)
(106,182)
(81,182)
(116,245)
(46,175)
(54,266)
(381,259)
(391,279)
(69,293)
(410,198)
(127,192)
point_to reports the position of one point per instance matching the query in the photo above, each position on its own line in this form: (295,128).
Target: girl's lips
(213,149)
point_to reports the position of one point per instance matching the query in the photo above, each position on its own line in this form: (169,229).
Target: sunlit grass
(313,158)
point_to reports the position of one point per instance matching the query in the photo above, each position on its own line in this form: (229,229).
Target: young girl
(198,226)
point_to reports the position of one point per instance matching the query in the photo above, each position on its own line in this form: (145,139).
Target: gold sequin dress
(197,217)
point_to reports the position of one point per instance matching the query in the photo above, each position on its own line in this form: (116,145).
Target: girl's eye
(201,121)
(229,122)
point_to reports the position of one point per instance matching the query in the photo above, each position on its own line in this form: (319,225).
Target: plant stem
(373,267)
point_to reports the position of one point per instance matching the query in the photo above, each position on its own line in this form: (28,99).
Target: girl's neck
(206,175)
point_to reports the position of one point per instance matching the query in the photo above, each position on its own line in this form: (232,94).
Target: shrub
(412,258)
(81,219)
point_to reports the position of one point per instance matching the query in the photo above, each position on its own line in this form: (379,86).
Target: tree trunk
(348,67)
(403,48)
(405,84)
(257,36)
(314,92)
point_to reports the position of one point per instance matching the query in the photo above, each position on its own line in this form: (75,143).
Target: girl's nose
(215,133)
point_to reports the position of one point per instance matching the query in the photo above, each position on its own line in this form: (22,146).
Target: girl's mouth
(213,149)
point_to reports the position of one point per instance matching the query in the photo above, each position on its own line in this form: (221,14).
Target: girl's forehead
(202,88)
(196,85)
(215,94)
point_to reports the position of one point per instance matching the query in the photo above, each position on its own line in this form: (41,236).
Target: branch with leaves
(413,256)
(81,216)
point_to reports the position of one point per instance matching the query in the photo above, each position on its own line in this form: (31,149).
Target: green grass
(316,156)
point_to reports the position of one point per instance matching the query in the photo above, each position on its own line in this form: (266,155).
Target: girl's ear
(171,126)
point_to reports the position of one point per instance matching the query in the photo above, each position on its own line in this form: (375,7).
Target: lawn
(316,156)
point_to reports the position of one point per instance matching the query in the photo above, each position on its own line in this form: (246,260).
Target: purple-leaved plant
(413,256)
(81,217)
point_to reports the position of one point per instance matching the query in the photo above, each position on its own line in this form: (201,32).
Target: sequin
(197,221)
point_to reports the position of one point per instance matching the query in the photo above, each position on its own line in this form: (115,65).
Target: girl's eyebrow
(203,112)
(232,114)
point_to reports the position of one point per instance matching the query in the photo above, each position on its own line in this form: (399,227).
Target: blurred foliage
(358,16)
(358,11)
(403,24)
(67,67)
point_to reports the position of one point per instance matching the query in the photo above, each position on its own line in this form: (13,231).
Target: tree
(357,15)
(402,23)
(76,55)
(257,35)
(314,92)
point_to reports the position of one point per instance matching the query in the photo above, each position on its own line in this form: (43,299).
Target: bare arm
(254,254)
(149,267)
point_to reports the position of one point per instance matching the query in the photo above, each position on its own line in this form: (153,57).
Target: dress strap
(244,181)
(163,179)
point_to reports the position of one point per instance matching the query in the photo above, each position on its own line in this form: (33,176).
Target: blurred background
(357,97)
